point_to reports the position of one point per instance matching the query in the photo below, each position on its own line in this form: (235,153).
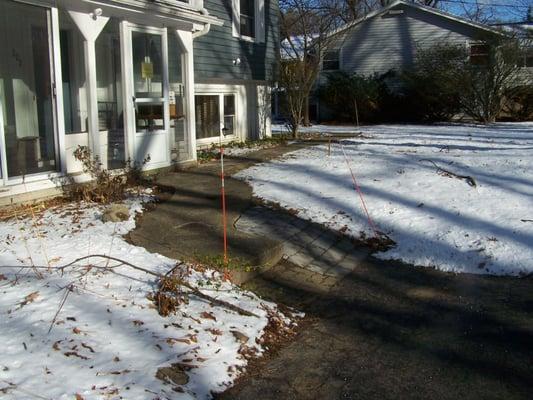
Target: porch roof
(173,13)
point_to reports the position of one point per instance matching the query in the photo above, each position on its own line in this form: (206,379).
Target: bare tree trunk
(306,112)
(356,113)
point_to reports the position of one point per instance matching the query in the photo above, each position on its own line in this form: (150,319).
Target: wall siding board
(389,42)
(214,53)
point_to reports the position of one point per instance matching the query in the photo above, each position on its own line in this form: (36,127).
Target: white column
(89,51)
(185,38)
(58,82)
(3,161)
(90,26)
(127,90)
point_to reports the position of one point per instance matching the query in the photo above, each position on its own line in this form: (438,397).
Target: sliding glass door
(26,91)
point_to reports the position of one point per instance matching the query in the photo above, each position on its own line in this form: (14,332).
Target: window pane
(229,115)
(247,18)
(248,7)
(109,82)
(229,104)
(180,148)
(147,64)
(529,60)
(207,116)
(479,54)
(26,89)
(73,72)
(149,117)
(331,60)
(229,122)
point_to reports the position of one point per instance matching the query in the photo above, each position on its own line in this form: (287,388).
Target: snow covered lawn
(435,219)
(108,340)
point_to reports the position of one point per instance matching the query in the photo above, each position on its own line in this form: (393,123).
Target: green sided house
(131,79)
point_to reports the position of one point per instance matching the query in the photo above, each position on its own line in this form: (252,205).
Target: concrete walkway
(304,244)
(373,330)
(187,224)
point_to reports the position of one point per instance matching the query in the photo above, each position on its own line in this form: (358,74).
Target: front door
(150,96)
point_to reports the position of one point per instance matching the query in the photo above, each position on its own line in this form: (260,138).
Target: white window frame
(259,19)
(236,122)
(57,108)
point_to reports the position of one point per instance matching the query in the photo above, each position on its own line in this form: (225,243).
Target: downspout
(205,29)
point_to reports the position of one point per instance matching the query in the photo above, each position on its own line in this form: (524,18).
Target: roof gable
(431,10)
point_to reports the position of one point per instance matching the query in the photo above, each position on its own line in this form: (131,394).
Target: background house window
(331,60)
(247,18)
(527,59)
(479,54)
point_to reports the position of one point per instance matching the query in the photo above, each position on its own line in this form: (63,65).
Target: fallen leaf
(79,397)
(3,277)
(77,331)
(29,298)
(208,315)
(214,331)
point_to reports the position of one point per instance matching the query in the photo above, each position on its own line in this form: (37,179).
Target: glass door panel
(179,138)
(109,82)
(207,116)
(26,90)
(150,88)
(147,64)
(229,115)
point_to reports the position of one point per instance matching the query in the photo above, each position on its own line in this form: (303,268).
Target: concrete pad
(354,259)
(301,259)
(334,254)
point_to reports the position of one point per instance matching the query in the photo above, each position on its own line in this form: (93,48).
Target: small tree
(429,87)
(352,97)
(305,28)
(485,84)
(449,78)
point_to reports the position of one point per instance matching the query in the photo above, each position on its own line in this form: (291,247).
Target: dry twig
(193,289)
(467,178)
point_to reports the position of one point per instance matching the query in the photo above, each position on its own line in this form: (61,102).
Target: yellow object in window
(147,70)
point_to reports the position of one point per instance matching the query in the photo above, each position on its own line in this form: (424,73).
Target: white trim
(259,21)
(135,133)
(235,23)
(241,121)
(90,29)
(58,84)
(54,65)
(3,153)
(186,41)
(127,94)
